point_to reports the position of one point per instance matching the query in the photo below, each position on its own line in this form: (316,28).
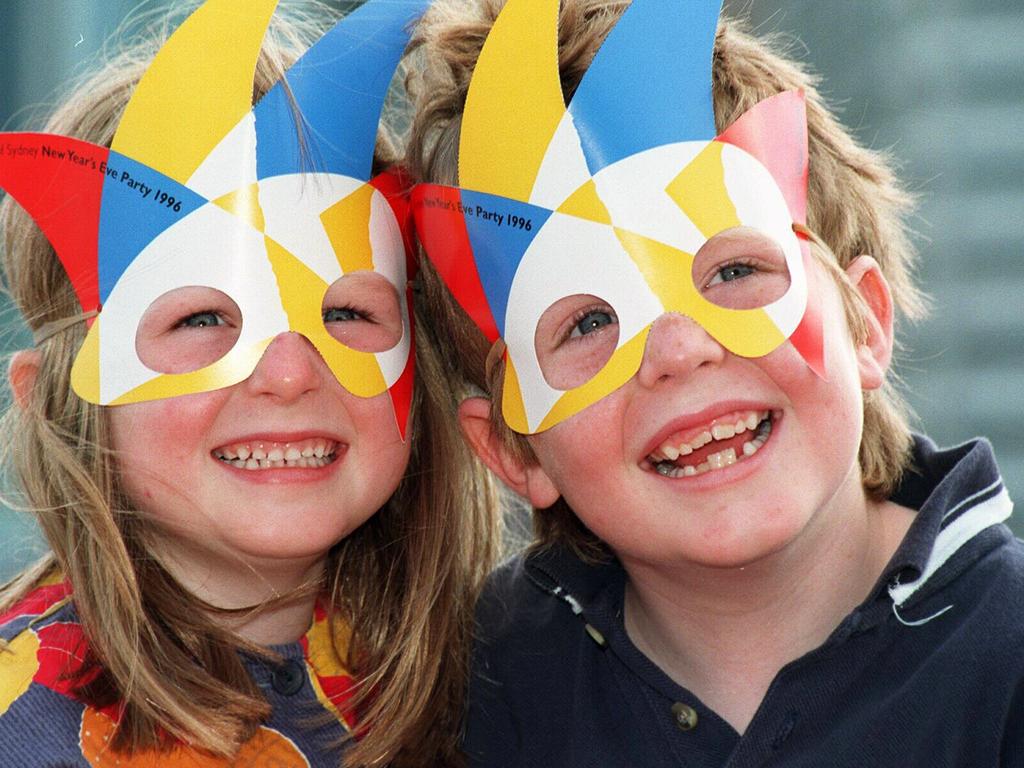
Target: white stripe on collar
(964,528)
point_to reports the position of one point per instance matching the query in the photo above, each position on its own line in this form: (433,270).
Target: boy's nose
(676,347)
(290,367)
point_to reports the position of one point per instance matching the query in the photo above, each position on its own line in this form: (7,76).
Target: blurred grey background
(938,83)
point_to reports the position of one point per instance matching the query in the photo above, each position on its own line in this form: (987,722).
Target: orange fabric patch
(267,749)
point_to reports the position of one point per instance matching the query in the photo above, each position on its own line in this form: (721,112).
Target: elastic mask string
(48,330)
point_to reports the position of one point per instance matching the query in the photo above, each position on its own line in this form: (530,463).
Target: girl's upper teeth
(313,452)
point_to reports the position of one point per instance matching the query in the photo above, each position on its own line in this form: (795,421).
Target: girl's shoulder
(40,642)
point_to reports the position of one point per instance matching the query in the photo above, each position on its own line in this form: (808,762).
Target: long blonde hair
(855,204)
(405,581)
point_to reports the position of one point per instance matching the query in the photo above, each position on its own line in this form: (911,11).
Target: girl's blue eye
(731,272)
(341,315)
(202,320)
(593,320)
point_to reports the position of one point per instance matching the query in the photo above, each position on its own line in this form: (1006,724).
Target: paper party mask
(210,226)
(573,229)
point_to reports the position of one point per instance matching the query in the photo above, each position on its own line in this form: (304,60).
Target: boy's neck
(724,633)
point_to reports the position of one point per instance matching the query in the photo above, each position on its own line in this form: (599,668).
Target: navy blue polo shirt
(927,671)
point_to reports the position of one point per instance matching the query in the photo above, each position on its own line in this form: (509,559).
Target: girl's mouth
(723,443)
(258,454)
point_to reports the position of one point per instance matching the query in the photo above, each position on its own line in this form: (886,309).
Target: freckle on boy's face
(604,460)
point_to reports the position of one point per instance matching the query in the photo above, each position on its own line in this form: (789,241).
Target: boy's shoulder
(944,623)
(41,642)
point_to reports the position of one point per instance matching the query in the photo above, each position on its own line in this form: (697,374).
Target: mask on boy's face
(211,226)
(594,220)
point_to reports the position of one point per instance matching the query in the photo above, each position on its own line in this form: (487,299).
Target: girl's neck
(281,596)
(724,633)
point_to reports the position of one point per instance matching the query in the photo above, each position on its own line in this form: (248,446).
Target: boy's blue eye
(592,321)
(202,320)
(341,315)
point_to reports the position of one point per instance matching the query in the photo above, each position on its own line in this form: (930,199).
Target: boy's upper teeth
(721,429)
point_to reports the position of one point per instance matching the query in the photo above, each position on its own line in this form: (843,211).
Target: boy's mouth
(265,454)
(721,444)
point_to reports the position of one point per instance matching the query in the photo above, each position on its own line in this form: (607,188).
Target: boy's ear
(21,373)
(874,353)
(528,480)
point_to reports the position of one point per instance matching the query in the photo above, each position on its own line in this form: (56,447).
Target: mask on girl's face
(211,226)
(569,238)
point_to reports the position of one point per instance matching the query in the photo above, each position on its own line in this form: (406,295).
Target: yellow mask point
(189,102)
(492,157)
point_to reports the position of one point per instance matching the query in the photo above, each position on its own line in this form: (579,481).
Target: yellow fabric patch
(347,224)
(585,203)
(245,204)
(699,190)
(184,106)
(511,114)
(18,665)
(325,661)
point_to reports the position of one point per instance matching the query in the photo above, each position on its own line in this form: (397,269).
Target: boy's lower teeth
(719,459)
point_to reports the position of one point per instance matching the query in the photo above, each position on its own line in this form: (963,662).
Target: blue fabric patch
(138,204)
(500,231)
(650,83)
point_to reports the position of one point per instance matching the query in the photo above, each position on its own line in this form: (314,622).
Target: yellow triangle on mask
(700,191)
(347,224)
(585,203)
(245,204)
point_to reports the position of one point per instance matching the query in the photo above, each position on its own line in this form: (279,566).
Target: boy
(743,556)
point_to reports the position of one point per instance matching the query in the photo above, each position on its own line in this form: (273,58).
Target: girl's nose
(290,367)
(676,347)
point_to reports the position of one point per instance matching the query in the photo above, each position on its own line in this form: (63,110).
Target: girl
(253,561)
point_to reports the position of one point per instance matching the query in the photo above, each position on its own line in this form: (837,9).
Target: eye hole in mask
(741,268)
(187,329)
(362,311)
(738,269)
(575,338)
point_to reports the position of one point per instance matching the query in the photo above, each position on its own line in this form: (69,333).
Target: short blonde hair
(855,204)
(405,581)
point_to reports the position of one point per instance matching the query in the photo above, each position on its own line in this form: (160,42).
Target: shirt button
(289,677)
(686,717)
